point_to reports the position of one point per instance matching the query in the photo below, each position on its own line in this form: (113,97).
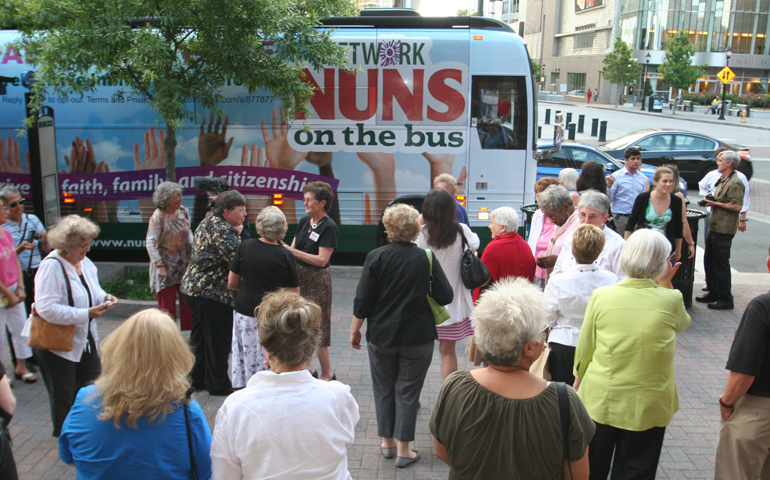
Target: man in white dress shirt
(593,209)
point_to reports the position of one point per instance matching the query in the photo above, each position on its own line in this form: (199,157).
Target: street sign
(726,75)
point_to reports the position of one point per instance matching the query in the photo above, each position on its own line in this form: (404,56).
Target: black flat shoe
(314,374)
(402,462)
(708,298)
(388,452)
(721,306)
(221,393)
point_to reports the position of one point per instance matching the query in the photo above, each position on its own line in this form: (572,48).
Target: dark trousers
(398,374)
(561,359)
(211,339)
(7,463)
(716,262)
(63,379)
(633,455)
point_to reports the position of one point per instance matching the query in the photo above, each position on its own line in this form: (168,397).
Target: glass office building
(713,26)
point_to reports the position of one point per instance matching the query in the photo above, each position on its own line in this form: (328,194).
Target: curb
(681,117)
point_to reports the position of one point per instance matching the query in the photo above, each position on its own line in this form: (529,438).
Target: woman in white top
(286,424)
(64,373)
(568,294)
(441,233)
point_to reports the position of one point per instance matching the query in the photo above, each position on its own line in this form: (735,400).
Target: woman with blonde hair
(137,420)
(67,292)
(286,424)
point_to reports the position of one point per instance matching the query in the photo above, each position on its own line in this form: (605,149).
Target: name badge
(314,236)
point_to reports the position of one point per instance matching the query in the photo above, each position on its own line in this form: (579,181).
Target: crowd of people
(595,306)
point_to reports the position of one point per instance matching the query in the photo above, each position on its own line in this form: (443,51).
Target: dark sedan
(692,153)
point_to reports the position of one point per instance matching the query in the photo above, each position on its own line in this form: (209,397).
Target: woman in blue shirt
(137,421)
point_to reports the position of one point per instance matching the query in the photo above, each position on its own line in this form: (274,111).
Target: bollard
(569,118)
(594,127)
(743,115)
(547,116)
(571,128)
(603,131)
(581,123)
(539,131)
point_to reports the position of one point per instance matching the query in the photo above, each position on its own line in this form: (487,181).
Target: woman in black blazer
(660,209)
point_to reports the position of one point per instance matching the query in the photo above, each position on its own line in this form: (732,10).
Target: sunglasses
(13,204)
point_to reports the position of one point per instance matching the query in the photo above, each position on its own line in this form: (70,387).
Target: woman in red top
(507,255)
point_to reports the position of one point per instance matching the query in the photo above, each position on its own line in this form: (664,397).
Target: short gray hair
(271,223)
(593,200)
(730,156)
(9,190)
(506,217)
(554,197)
(163,194)
(228,201)
(70,231)
(402,222)
(508,315)
(569,177)
(644,254)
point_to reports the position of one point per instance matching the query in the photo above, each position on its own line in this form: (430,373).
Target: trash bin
(657,104)
(685,276)
(529,210)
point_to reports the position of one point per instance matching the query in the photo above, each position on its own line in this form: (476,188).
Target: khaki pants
(744,441)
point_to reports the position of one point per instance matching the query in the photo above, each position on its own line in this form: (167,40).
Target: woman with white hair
(169,245)
(501,421)
(260,265)
(624,362)
(568,177)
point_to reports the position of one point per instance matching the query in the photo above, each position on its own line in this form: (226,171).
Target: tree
(619,67)
(538,70)
(677,68)
(466,13)
(175,51)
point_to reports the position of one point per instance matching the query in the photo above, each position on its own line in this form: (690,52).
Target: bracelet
(724,404)
(744,220)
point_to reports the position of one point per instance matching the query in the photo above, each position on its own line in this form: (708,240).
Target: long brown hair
(439,210)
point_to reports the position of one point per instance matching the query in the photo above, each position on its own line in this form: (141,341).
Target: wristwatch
(724,404)
(744,220)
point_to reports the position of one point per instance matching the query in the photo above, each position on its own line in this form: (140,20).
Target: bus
(422,96)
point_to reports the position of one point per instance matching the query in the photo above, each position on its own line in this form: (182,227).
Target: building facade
(571,38)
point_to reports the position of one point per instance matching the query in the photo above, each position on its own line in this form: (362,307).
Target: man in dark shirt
(744,439)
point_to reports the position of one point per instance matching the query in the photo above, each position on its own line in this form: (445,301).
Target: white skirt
(248,357)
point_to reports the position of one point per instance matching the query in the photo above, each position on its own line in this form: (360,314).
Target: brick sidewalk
(688,450)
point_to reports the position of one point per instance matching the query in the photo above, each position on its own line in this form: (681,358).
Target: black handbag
(474,272)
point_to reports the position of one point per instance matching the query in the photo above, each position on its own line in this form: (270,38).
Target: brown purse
(44,335)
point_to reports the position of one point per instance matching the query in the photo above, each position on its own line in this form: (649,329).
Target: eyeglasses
(308,201)
(85,247)
(18,202)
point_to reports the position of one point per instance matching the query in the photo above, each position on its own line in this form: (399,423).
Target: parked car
(574,155)
(692,153)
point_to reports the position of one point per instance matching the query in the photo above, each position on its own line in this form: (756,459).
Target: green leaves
(187,50)
(619,67)
(677,68)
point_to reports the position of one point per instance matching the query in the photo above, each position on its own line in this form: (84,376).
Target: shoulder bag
(474,273)
(45,335)
(564,416)
(440,313)
(193,468)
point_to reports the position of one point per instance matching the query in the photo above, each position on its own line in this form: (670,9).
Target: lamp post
(728,54)
(644,82)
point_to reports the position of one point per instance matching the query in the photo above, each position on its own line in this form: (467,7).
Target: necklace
(315,225)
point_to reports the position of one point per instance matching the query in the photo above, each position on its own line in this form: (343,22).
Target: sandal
(28,377)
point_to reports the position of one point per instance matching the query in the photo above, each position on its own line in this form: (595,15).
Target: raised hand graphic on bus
(323,160)
(442,163)
(154,158)
(10,160)
(254,158)
(82,159)
(213,147)
(279,152)
(383,167)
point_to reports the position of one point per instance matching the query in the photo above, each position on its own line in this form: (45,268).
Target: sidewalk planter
(760,113)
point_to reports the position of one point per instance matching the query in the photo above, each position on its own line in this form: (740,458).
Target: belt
(759,394)
(622,214)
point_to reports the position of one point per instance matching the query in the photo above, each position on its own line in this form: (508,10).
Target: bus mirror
(558,137)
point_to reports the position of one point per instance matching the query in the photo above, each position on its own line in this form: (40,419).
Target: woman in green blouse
(624,362)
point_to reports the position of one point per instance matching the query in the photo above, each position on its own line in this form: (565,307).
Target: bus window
(499,106)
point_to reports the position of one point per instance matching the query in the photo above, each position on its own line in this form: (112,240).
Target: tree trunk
(170,153)
(617,104)
(676,100)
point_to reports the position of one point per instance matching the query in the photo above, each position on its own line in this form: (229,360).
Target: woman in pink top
(13,313)
(541,230)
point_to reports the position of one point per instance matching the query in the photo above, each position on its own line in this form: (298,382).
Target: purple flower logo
(390,53)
